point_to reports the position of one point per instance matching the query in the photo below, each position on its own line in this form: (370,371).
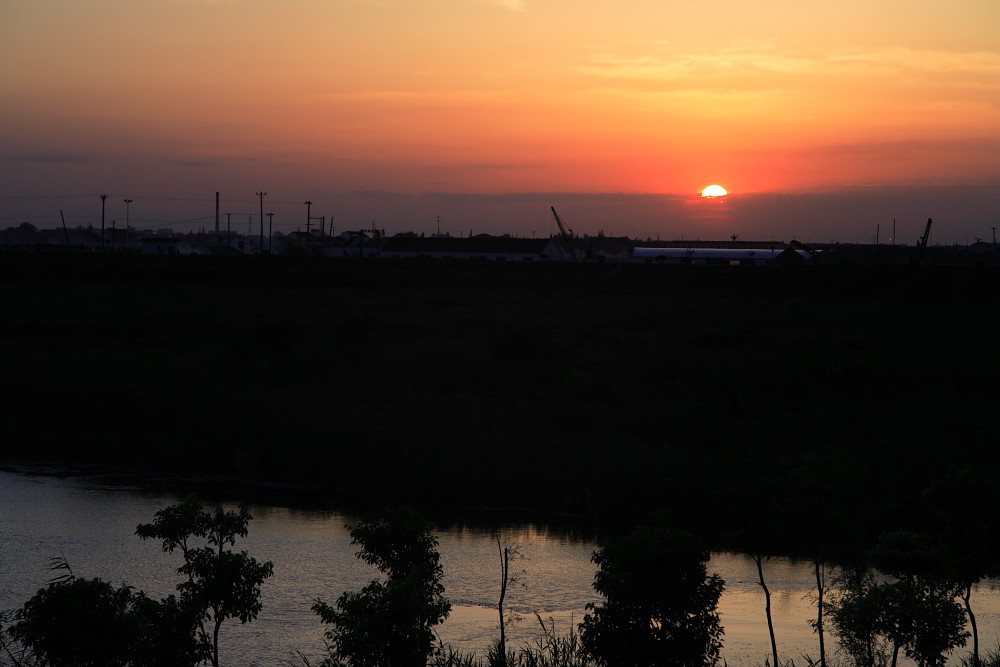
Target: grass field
(711,393)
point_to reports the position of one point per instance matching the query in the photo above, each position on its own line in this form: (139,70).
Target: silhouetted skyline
(822,124)
(858,215)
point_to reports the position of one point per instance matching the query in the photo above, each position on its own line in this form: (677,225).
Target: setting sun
(714,191)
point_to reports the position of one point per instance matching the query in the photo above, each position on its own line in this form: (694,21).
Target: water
(92,527)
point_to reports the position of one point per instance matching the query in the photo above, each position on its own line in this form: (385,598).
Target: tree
(507,553)
(81,622)
(221,584)
(660,604)
(758,559)
(169,633)
(915,611)
(389,623)
(962,506)
(874,622)
(78,623)
(856,616)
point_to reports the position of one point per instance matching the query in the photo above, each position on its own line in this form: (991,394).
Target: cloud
(511,5)
(665,62)
(51,159)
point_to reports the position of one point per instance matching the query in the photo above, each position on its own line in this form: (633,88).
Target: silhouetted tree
(914,611)
(221,584)
(962,507)
(758,560)
(855,614)
(91,622)
(507,553)
(78,623)
(389,623)
(660,604)
(169,632)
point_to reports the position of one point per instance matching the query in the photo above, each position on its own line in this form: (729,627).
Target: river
(92,525)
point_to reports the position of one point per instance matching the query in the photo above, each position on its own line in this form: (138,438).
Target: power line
(11,198)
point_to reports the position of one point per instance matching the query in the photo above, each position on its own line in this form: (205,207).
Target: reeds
(548,650)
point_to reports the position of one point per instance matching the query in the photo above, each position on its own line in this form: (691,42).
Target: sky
(824,120)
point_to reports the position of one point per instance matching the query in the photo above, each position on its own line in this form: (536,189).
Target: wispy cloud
(665,63)
(51,158)
(511,5)
(428,96)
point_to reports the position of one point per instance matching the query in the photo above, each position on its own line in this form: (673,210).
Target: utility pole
(261,195)
(127,202)
(308,215)
(113,235)
(104,198)
(270,227)
(321,223)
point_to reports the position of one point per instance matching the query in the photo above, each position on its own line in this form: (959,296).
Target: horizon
(823,125)
(810,216)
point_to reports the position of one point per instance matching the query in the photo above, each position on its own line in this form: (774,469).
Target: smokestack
(216,216)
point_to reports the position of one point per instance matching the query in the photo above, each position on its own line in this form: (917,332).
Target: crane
(565,236)
(66,232)
(922,245)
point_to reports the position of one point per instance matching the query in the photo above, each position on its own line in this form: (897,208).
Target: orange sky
(302,97)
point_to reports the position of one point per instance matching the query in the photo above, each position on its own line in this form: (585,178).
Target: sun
(714,191)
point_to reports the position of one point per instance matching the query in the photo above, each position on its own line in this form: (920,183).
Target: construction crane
(66,232)
(565,236)
(922,245)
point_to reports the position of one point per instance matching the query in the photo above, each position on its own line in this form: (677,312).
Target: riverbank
(715,395)
(297,497)
(92,526)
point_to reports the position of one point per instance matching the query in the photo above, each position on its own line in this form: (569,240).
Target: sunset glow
(714,191)
(315,99)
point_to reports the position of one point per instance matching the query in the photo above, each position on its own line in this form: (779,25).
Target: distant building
(483,246)
(718,256)
(160,245)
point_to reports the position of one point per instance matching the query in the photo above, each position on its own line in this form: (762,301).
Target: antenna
(104,198)
(129,201)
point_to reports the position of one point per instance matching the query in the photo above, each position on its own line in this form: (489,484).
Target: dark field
(724,396)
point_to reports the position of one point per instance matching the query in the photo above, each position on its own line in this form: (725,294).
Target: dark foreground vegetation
(771,409)
(659,605)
